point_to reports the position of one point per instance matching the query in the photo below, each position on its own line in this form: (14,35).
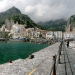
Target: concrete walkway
(67,66)
(39,65)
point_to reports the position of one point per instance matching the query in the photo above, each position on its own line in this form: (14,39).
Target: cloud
(42,10)
(1,0)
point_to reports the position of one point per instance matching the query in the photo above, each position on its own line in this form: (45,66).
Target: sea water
(18,50)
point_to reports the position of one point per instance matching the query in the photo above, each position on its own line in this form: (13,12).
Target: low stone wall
(39,65)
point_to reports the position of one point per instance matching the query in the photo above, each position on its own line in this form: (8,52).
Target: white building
(30,32)
(33,33)
(17,30)
(69,35)
(58,35)
(36,34)
(49,35)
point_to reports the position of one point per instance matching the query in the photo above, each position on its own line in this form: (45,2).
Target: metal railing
(56,61)
(65,53)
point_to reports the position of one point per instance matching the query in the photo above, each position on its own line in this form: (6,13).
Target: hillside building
(49,35)
(17,30)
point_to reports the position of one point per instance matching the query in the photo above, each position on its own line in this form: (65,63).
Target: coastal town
(37,37)
(17,31)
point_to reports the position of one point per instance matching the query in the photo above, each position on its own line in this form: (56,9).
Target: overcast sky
(42,10)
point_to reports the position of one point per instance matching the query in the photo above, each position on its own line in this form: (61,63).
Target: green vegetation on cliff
(71,20)
(15,14)
(71,23)
(24,19)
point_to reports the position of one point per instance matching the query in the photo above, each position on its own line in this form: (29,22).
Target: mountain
(70,24)
(54,25)
(6,14)
(16,15)
(71,21)
(9,12)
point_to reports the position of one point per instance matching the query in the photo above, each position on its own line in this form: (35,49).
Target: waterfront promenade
(39,65)
(67,60)
(42,62)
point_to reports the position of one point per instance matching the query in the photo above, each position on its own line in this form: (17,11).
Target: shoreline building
(49,35)
(54,35)
(69,35)
(17,30)
(58,35)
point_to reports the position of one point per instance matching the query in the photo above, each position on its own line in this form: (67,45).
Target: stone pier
(39,65)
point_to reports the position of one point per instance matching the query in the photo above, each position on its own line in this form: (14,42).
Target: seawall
(39,65)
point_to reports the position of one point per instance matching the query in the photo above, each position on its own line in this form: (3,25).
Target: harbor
(42,62)
(37,37)
(16,50)
(39,65)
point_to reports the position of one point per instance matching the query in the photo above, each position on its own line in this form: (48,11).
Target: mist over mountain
(54,24)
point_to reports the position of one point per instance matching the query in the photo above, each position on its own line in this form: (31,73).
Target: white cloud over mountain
(42,10)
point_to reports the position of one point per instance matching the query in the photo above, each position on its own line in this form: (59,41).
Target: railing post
(60,48)
(61,44)
(59,54)
(54,66)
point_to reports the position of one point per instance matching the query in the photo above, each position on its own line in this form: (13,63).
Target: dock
(42,63)
(67,61)
(39,65)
